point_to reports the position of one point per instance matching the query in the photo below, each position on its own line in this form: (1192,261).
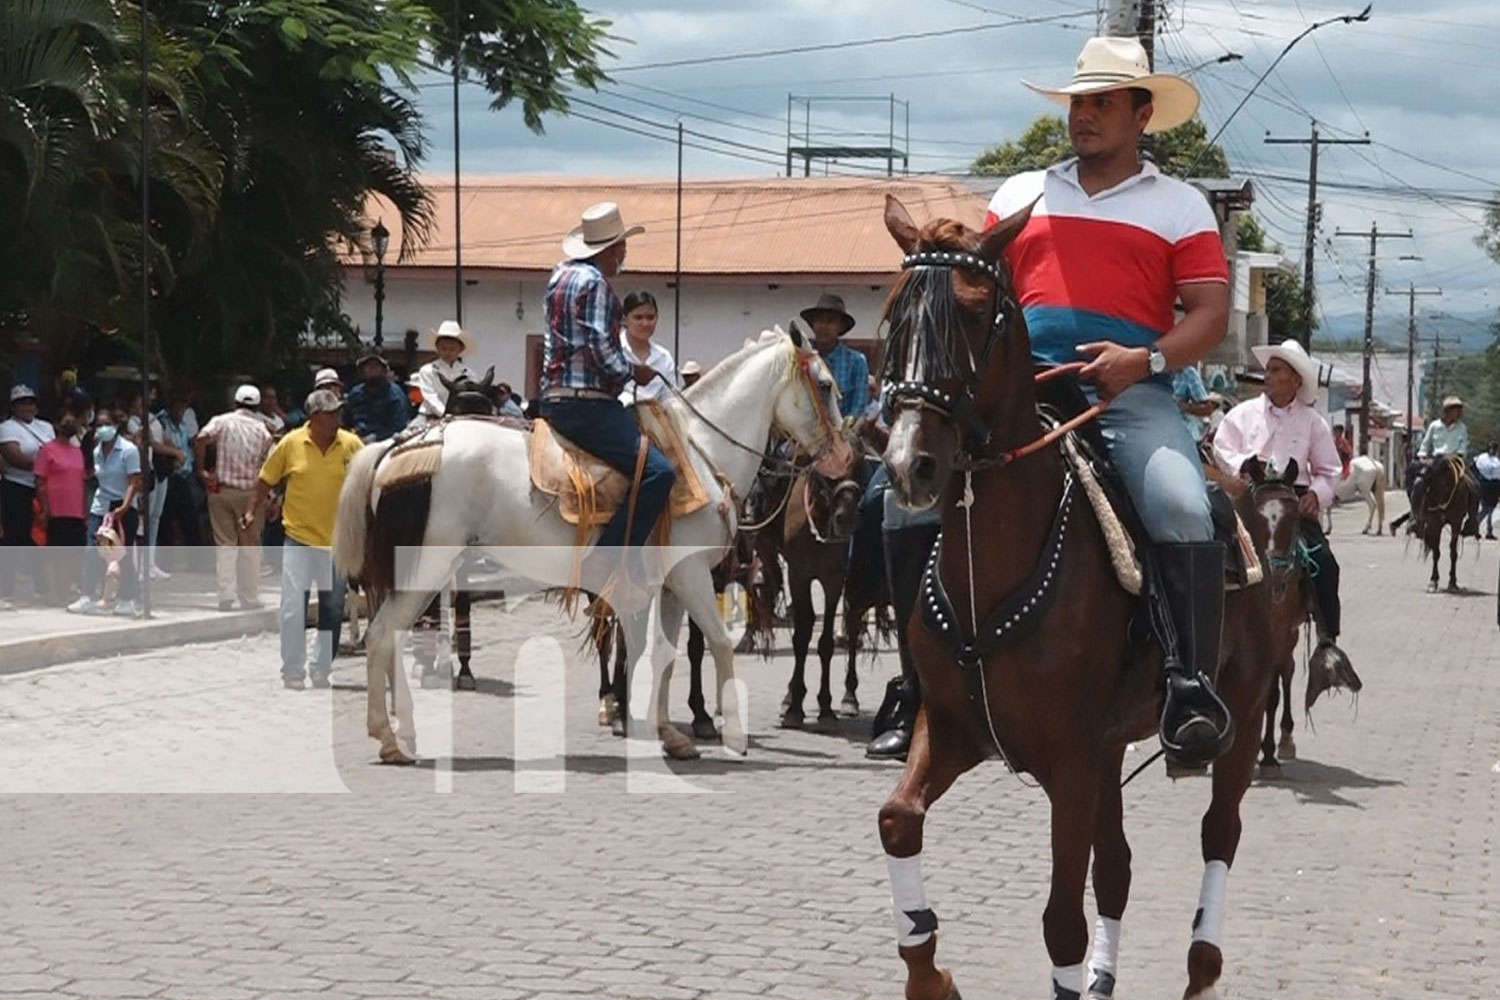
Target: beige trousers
(237,550)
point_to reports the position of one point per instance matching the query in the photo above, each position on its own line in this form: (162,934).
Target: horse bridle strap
(1015,616)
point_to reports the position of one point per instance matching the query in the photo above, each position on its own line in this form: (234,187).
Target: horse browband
(958,408)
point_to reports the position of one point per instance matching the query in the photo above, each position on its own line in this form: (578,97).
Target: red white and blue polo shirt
(1107,266)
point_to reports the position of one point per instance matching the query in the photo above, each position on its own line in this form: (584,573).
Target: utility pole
(1316,140)
(1411,293)
(1123,17)
(1365,391)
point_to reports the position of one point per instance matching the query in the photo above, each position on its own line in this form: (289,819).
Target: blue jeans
(606,430)
(1158,460)
(303,568)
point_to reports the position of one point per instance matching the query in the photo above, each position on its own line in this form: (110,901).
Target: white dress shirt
(659,358)
(434,396)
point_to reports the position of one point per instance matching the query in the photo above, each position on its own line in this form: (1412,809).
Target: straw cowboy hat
(450,329)
(1306,368)
(1112,63)
(600,228)
(1453,401)
(834,304)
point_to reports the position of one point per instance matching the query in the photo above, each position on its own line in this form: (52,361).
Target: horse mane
(927,293)
(719,375)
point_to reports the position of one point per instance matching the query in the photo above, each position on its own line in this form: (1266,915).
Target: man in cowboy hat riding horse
(585,368)
(1447,435)
(1111,246)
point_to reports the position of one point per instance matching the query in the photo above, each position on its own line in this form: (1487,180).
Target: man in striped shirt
(584,371)
(1111,246)
(241,441)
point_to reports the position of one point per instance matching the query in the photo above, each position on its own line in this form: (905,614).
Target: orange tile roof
(764,227)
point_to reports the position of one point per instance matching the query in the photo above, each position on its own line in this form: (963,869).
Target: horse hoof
(675,745)
(792,720)
(849,708)
(432,679)
(828,723)
(464,682)
(609,710)
(704,729)
(1286,749)
(395,755)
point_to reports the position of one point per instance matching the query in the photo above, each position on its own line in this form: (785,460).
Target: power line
(850,44)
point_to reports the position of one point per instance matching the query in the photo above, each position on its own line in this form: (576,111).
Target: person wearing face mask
(451,342)
(60,476)
(21,437)
(117,471)
(377,408)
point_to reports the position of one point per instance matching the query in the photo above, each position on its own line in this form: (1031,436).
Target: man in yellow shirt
(312,461)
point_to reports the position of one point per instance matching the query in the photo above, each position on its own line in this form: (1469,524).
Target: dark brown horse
(1448,501)
(1276,527)
(820,518)
(1031,655)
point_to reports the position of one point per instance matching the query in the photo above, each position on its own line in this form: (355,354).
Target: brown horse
(1450,498)
(1056,687)
(820,518)
(1276,527)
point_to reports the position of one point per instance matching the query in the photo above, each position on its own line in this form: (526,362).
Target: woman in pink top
(60,474)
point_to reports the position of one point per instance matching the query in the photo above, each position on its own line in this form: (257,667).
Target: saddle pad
(1122,552)
(412,461)
(588,491)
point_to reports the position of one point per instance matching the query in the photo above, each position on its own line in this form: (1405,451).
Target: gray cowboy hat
(830,303)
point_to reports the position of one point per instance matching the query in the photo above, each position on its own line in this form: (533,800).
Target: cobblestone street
(1368,869)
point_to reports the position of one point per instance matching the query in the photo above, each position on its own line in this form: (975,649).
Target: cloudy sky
(1420,77)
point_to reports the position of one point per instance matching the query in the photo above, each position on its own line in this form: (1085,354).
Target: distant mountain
(1470,331)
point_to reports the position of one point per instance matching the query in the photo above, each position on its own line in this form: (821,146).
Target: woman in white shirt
(640,324)
(21,437)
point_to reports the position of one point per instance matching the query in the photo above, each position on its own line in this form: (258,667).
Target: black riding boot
(906,552)
(1195,725)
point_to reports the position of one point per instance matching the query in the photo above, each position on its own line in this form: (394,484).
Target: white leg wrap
(1208,923)
(914,921)
(1067,982)
(1104,960)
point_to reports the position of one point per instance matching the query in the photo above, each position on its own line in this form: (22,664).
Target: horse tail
(399,522)
(350,526)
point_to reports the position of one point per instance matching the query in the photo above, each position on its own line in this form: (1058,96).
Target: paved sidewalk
(184,609)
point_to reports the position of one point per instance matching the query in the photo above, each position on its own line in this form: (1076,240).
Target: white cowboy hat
(450,329)
(1112,63)
(601,228)
(1306,368)
(1453,401)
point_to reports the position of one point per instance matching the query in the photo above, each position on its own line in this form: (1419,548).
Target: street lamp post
(381,237)
(1362,16)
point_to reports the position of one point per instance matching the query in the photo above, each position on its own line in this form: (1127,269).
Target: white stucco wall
(717,313)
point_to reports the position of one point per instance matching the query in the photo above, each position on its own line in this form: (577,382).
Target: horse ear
(898,223)
(489,378)
(1290,475)
(796,332)
(996,238)
(1255,469)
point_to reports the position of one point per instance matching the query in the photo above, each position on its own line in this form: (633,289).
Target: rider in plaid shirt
(585,369)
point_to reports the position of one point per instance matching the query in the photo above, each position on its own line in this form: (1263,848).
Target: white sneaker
(157,573)
(84,606)
(6,605)
(127,609)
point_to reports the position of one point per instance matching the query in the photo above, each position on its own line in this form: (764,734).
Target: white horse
(1366,481)
(481,495)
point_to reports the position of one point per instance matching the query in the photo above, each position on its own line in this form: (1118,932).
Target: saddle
(588,491)
(1059,400)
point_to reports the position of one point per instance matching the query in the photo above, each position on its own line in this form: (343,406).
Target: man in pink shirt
(1281,426)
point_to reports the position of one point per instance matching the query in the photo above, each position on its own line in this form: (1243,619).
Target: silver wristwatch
(1156,361)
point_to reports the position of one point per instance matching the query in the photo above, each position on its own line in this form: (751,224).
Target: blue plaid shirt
(851,373)
(583,331)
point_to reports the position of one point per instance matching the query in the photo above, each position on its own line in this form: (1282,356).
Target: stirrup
(1213,729)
